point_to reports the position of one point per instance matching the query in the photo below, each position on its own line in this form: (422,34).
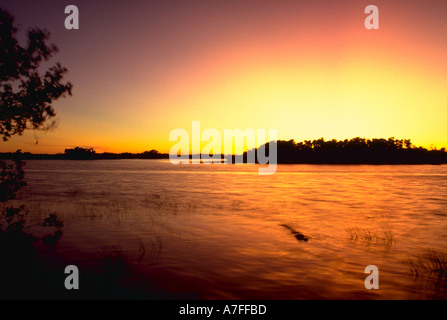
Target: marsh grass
(429,273)
(153,207)
(114,264)
(155,248)
(115,271)
(365,235)
(115,259)
(430,264)
(378,216)
(168,204)
(116,210)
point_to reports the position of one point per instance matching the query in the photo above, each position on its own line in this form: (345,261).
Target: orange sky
(307,69)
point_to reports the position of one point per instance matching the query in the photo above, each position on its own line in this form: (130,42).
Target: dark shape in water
(298,235)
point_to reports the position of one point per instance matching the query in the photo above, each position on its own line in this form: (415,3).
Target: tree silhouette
(26,93)
(355,151)
(26,97)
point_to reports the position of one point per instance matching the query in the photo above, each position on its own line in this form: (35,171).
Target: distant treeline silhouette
(354,151)
(80,153)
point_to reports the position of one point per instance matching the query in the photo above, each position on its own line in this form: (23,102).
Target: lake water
(218,231)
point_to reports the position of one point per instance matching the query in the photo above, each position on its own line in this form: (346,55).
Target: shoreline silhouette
(354,151)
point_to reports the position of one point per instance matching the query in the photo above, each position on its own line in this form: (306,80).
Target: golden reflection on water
(222,231)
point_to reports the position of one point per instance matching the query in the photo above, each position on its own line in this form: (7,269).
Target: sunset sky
(309,69)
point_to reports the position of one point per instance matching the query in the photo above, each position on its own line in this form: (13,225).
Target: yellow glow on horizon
(303,100)
(336,87)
